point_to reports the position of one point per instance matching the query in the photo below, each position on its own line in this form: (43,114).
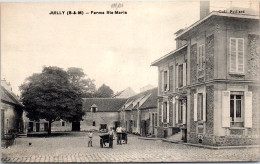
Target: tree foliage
(104,91)
(77,78)
(51,95)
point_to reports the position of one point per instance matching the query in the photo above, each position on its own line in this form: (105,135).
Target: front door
(75,126)
(30,128)
(37,127)
(46,127)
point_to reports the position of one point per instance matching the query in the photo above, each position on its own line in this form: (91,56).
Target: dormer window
(94,108)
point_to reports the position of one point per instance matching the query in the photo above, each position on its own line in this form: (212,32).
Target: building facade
(101,113)
(138,115)
(11,114)
(212,81)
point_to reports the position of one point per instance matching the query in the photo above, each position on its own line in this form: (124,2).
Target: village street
(73,148)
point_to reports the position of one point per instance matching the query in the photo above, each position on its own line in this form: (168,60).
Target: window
(237,55)
(94,123)
(200,106)
(201,57)
(180,74)
(62,123)
(165,81)
(236,110)
(180,106)
(156,119)
(166,112)
(103,126)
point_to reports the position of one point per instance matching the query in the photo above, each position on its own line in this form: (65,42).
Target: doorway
(46,127)
(30,128)
(37,127)
(75,126)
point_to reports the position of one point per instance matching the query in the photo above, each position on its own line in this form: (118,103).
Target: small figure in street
(111,137)
(90,135)
(119,134)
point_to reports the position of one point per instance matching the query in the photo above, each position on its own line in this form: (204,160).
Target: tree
(51,95)
(104,91)
(77,77)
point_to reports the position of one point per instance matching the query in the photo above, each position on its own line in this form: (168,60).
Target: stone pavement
(73,148)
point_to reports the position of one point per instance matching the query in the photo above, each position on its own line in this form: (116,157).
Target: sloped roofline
(213,13)
(216,13)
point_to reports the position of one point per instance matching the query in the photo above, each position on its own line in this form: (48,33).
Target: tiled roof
(147,98)
(103,104)
(9,97)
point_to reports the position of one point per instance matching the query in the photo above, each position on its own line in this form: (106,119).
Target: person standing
(111,137)
(119,135)
(90,135)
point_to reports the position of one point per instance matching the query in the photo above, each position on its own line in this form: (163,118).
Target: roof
(172,53)
(181,32)
(146,99)
(215,13)
(9,97)
(128,92)
(103,104)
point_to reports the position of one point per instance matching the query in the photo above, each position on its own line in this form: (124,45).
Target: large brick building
(209,86)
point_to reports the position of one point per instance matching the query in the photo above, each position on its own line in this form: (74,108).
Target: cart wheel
(101,143)
(126,139)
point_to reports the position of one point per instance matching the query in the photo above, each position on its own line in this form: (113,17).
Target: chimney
(204,9)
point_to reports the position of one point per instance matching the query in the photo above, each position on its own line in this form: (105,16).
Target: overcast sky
(116,50)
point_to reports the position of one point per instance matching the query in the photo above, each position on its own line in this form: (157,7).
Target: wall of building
(12,118)
(108,118)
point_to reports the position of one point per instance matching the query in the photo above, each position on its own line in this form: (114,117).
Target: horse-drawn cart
(104,138)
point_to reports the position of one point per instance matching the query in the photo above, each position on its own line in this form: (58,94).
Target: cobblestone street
(73,148)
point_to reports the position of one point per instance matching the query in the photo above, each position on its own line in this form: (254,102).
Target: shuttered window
(201,56)
(195,108)
(237,55)
(167,112)
(248,109)
(236,109)
(184,74)
(180,76)
(201,106)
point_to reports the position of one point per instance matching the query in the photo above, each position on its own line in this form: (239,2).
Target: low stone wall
(232,140)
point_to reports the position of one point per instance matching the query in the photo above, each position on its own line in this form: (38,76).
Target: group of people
(111,134)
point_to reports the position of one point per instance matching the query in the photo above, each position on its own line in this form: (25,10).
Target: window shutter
(168,111)
(233,56)
(204,106)
(248,109)
(173,108)
(177,104)
(184,74)
(168,79)
(226,109)
(162,81)
(184,113)
(162,111)
(195,108)
(177,76)
(240,55)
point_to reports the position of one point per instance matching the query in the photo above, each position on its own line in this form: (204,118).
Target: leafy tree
(104,91)
(51,95)
(77,77)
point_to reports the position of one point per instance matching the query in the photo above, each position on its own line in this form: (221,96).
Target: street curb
(146,138)
(212,147)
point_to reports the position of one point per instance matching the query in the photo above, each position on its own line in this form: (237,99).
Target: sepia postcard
(130,81)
